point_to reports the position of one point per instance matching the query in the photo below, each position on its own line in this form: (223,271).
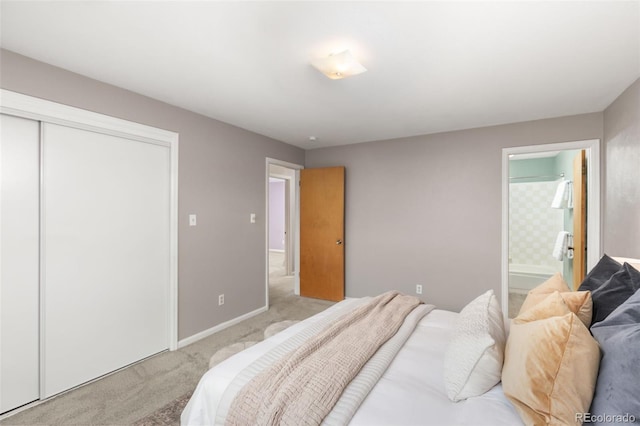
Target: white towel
(561,246)
(564,196)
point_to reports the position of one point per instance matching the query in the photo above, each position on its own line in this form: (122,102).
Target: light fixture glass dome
(338,65)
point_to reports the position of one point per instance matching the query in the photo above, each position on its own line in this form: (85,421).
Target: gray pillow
(614,292)
(600,273)
(619,377)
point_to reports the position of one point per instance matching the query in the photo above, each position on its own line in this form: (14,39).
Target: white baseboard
(206,333)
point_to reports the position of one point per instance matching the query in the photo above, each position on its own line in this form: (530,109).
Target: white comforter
(410,392)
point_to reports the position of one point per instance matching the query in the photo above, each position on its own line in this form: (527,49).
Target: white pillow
(473,359)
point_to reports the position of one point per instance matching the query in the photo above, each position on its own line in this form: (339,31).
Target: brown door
(322,233)
(579,218)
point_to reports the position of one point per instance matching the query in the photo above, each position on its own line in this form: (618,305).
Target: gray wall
(427,209)
(422,210)
(221,179)
(622,174)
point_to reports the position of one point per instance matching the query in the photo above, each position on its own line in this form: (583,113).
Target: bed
(409,390)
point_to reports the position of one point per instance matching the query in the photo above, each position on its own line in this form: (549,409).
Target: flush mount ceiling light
(338,65)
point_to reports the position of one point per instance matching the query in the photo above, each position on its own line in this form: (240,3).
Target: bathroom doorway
(550,216)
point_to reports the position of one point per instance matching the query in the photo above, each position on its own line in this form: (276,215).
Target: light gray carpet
(169,415)
(147,387)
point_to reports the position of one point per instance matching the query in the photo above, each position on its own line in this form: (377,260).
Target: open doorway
(572,172)
(280,277)
(282,230)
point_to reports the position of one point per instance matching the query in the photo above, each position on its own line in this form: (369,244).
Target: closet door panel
(19,260)
(106,205)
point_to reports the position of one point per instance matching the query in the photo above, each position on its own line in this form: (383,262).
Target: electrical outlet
(419,289)
(221,300)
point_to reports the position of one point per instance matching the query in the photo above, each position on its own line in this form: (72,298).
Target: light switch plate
(252,218)
(192,220)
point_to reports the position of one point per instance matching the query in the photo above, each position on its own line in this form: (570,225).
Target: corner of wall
(621,153)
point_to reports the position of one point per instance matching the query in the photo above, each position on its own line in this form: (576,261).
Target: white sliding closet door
(105,254)
(19,261)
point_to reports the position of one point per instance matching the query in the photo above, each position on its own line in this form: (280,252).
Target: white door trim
(17,104)
(296,225)
(594,207)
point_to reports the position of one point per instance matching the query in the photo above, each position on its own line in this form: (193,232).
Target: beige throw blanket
(304,385)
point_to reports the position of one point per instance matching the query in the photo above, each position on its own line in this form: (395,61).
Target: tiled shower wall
(533,224)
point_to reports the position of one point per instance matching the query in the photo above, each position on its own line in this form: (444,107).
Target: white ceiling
(433,66)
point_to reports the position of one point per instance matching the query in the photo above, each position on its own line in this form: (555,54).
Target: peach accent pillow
(578,302)
(551,364)
(553,305)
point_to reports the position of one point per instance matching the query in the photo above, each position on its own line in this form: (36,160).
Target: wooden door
(322,233)
(579,218)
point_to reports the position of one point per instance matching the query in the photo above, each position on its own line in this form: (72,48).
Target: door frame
(25,106)
(594,206)
(294,223)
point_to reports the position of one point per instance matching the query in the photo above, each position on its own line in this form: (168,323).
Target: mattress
(410,392)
